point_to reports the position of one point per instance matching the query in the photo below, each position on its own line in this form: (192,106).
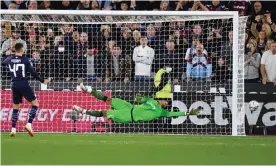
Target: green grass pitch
(112,149)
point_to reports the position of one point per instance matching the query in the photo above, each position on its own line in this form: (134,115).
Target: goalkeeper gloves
(194,111)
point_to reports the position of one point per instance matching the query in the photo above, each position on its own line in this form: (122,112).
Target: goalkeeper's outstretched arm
(169,114)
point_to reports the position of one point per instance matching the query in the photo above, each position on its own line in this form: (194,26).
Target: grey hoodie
(251,68)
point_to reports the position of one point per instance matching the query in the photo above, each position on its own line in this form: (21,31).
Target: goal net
(204,50)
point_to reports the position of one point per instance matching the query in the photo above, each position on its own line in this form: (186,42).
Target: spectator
(136,37)
(216,5)
(118,66)
(45,5)
(137,5)
(153,41)
(257,9)
(164,6)
(32,43)
(170,58)
(36,60)
(106,4)
(258,26)
(11,49)
(71,39)
(152,5)
(268,45)
(84,5)
(182,5)
(95,5)
(143,56)
(222,71)
(199,66)
(12,6)
(226,47)
(42,42)
(197,30)
(67,5)
(15,36)
(94,65)
(71,42)
(18,4)
(50,37)
(252,61)
(32,5)
(241,6)
(127,45)
(2,35)
(192,50)
(198,6)
(214,38)
(124,5)
(268,65)
(178,39)
(82,45)
(261,42)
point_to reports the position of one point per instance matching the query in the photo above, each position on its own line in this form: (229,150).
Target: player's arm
(6,61)
(140,99)
(194,111)
(30,69)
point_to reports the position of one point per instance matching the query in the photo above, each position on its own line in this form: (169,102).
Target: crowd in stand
(196,50)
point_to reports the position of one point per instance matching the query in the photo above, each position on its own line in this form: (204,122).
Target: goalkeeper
(124,112)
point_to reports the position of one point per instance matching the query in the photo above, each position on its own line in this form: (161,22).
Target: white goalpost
(204,49)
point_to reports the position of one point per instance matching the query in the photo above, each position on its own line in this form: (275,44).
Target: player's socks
(32,114)
(94,113)
(14,117)
(98,95)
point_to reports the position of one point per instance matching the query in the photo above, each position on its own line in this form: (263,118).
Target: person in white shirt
(268,65)
(143,56)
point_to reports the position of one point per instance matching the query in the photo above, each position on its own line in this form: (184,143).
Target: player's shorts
(121,111)
(20,91)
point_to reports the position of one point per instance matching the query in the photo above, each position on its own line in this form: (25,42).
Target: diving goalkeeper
(124,112)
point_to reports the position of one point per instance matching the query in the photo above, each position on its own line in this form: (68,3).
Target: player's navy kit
(19,67)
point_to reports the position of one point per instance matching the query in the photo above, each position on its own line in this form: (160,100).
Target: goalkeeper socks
(32,114)
(94,113)
(14,117)
(99,95)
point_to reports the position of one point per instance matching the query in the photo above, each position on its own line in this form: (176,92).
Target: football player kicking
(19,66)
(124,112)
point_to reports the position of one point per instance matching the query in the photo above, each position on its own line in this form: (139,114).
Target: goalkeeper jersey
(149,110)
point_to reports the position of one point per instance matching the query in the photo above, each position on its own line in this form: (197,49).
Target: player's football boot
(83,88)
(28,128)
(13,132)
(78,109)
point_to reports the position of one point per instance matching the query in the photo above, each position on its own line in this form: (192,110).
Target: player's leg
(30,96)
(116,103)
(96,94)
(17,99)
(119,116)
(95,113)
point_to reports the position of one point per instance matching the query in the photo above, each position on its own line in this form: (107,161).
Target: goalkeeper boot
(28,128)
(79,109)
(13,132)
(83,88)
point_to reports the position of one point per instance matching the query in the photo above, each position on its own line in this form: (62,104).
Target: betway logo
(218,117)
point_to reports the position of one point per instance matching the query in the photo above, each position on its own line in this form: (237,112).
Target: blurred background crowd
(195,50)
